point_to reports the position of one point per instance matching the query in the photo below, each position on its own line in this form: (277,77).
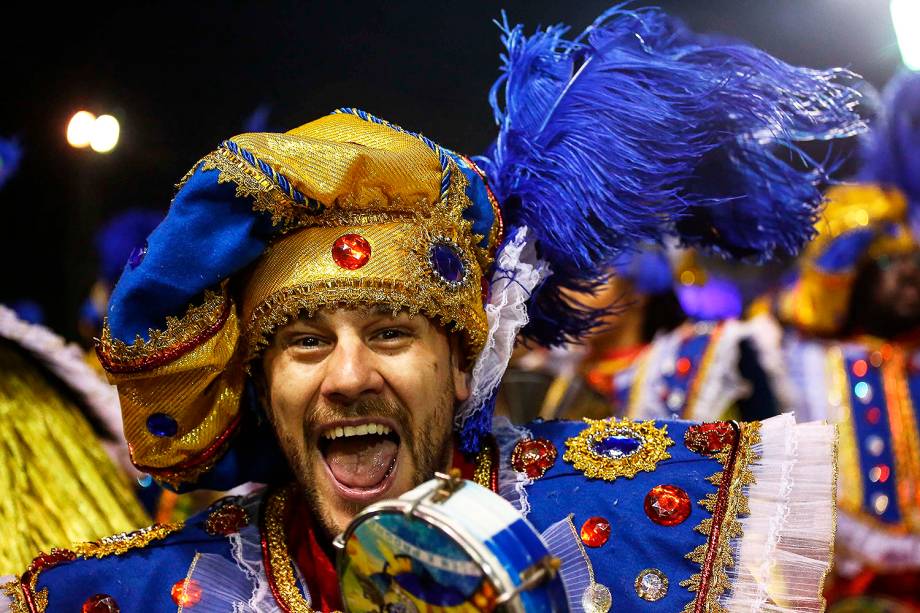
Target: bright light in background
(80,129)
(99,133)
(905,15)
(105,134)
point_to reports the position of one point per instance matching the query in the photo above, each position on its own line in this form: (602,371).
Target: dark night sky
(181,77)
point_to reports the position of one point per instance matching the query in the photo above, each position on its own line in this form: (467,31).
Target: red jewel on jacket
(874,415)
(226,519)
(710,438)
(683,366)
(351,251)
(595,531)
(667,505)
(186,593)
(100,603)
(533,457)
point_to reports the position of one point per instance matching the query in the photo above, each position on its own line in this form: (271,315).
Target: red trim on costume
(167,355)
(718,516)
(42,562)
(313,560)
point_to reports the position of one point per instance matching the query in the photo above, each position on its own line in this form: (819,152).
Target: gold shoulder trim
(21,591)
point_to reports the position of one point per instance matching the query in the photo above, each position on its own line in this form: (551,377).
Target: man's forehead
(381,310)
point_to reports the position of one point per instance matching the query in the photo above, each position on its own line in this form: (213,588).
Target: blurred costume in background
(603,141)
(852,352)
(691,357)
(58,422)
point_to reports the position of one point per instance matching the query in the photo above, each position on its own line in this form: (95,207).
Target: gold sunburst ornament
(612,448)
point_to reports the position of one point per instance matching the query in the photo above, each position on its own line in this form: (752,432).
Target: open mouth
(361,457)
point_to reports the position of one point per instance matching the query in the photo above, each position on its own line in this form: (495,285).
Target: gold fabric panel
(299,274)
(348,162)
(59,486)
(200,390)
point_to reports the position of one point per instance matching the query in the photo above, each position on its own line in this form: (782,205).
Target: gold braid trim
(252,183)
(21,591)
(484,473)
(279,566)
(715,562)
(180,336)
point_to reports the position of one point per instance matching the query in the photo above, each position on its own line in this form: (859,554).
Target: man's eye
(309,342)
(391,334)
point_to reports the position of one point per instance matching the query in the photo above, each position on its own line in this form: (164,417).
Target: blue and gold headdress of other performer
(604,143)
(862,221)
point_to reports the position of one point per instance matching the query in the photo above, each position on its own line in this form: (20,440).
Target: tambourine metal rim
(492,568)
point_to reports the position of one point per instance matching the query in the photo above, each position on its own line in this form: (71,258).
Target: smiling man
(330,311)
(362,401)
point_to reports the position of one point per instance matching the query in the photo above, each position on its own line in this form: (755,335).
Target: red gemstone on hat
(351,251)
(533,457)
(186,592)
(667,505)
(874,415)
(226,519)
(710,438)
(100,603)
(683,366)
(595,532)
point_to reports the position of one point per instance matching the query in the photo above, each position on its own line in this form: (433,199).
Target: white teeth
(334,433)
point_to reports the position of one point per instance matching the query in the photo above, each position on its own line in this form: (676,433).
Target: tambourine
(448,545)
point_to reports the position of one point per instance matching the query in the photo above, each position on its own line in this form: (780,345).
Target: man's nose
(351,372)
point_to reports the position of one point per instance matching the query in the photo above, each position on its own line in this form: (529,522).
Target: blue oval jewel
(446,262)
(617,446)
(137,255)
(162,425)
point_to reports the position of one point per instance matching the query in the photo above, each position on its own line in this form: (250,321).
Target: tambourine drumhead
(459,554)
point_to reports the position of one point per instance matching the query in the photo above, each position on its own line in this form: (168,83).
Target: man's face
(363,404)
(898,288)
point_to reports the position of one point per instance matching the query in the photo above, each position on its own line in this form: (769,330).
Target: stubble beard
(428,444)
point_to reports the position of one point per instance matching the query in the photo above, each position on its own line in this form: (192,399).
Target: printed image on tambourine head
(362,401)
(397,565)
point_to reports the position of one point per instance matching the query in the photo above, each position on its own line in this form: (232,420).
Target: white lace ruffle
(785,552)
(517,272)
(511,483)
(240,587)
(65,360)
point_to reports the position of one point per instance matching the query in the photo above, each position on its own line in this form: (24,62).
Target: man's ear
(462,378)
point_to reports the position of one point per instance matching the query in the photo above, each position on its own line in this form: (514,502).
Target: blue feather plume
(638,129)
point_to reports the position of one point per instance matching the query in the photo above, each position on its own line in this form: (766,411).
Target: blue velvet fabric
(208,235)
(635,543)
(480,213)
(139,580)
(866,433)
(845,251)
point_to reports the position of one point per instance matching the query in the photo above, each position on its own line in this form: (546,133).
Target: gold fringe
(59,486)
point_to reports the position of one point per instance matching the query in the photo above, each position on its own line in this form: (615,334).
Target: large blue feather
(638,129)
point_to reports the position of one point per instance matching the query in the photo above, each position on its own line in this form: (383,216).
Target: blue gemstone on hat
(447,263)
(617,446)
(162,425)
(137,255)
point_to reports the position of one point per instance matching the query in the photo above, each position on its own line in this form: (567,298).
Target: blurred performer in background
(852,351)
(673,346)
(58,422)
(361,295)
